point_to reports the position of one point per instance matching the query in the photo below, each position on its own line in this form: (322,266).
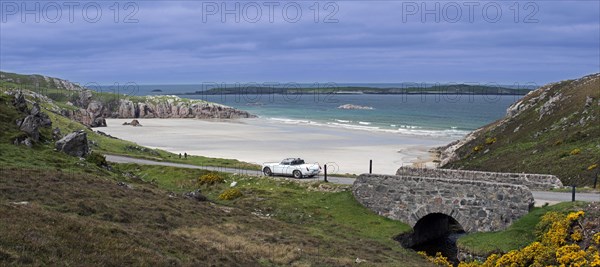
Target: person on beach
(185,155)
(179,155)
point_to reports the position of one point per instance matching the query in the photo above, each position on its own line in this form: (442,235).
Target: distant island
(156,91)
(462,89)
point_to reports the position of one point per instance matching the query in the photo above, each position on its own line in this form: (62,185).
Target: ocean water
(448,116)
(427,115)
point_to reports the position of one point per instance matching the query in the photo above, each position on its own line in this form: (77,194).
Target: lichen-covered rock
(175,107)
(74,144)
(20,103)
(26,141)
(56,134)
(30,126)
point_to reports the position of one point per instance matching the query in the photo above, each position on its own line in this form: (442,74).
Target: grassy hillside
(63,210)
(553,130)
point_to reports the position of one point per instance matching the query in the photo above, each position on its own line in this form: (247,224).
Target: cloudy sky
(183,42)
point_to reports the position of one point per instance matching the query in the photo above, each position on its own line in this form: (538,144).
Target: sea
(444,116)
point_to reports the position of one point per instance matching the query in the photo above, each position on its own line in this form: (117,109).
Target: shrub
(437,260)
(556,246)
(230,194)
(558,143)
(591,167)
(575,151)
(477,148)
(97,159)
(490,140)
(210,179)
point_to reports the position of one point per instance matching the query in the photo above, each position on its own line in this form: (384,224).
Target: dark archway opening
(436,232)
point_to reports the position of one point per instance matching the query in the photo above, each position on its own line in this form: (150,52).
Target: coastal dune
(260,140)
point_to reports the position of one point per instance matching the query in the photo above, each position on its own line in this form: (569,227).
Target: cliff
(555,129)
(91,108)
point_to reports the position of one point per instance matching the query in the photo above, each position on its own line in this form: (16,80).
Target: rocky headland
(91,108)
(552,130)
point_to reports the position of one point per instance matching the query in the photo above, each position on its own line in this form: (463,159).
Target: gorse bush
(230,194)
(575,151)
(559,240)
(490,140)
(210,179)
(438,259)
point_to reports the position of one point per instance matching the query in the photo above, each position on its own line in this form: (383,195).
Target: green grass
(516,236)
(333,216)
(169,178)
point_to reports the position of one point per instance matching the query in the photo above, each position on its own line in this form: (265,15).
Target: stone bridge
(434,205)
(532,181)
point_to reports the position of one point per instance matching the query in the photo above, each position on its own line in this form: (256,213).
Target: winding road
(541,197)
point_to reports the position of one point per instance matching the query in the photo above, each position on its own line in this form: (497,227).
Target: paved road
(553,197)
(540,197)
(123,159)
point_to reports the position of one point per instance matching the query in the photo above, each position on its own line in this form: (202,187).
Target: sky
(191,42)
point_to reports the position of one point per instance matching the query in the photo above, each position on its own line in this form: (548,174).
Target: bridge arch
(454,214)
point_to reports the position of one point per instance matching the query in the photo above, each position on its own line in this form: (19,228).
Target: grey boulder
(74,144)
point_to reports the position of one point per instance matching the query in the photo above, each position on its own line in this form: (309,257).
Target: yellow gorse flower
(554,247)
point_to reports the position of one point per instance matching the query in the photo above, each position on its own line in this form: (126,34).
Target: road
(540,197)
(123,159)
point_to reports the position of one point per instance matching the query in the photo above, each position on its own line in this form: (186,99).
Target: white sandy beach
(261,140)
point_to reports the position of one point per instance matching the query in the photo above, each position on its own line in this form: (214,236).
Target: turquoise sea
(424,115)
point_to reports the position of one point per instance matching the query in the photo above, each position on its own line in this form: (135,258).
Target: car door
(292,167)
(281,167)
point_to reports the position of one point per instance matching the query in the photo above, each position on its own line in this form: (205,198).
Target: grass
(516,236)
(332,216)
(274,223)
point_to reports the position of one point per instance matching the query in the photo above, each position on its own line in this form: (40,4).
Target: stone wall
(532,181)
(475,205)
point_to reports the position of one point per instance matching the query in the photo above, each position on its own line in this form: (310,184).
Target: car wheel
(267,171)
(297,174)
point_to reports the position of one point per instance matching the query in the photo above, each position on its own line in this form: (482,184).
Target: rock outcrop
(19,102)
(32,122)
(358,107)
(133,123)
(93,112)
(175,107)
(74,144)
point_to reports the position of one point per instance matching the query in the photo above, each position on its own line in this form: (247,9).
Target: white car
(291,166)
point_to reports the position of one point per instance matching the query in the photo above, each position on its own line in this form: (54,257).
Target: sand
(261,140)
